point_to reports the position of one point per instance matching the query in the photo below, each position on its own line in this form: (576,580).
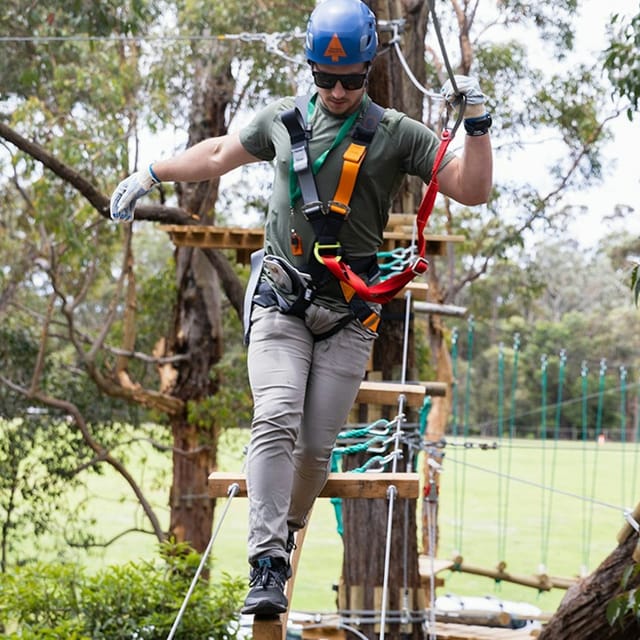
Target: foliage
(635,283)
(136,600)
(553,299)
(628,602)
(622,59)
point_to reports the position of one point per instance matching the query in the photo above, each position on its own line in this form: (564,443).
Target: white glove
(466,86)
(123,200)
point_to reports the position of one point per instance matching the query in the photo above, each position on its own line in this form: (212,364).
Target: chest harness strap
(386,290)
(327,219)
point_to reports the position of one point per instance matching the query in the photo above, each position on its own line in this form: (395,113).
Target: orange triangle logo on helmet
(334,49)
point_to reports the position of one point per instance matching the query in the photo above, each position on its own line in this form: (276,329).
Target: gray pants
(302,392)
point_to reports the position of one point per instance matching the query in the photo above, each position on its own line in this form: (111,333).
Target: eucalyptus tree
(84,88)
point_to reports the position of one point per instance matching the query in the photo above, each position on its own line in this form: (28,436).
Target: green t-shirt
(399,147)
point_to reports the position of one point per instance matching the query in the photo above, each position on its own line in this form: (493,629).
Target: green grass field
(538,527)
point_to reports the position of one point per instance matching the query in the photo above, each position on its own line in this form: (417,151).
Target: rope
(232,492)
(585,527)
(531,483)
(594,466)
(502,534)
(397,453)
(546,530)
(467,396)
(623,433)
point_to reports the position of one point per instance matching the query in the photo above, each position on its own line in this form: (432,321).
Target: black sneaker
(267,579)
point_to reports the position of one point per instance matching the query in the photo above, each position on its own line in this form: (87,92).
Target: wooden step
(372,484)
(386,393)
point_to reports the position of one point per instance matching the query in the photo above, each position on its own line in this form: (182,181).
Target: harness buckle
(339,208)
(312,209)
(300,158)
(318,250)
(420,265)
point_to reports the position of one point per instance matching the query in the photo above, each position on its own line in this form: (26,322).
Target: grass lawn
(484,516)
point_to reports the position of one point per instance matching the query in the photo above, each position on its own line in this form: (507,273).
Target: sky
(623,183)
(621,180)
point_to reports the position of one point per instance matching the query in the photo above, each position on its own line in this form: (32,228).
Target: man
(309,342)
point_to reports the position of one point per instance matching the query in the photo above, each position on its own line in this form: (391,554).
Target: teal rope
(454,427)
(360,432)
(501,506)
(337,502)
(512,430)
(467,397)
(561,376)
(623,434)
(585,505)
(594,466)
(543,437)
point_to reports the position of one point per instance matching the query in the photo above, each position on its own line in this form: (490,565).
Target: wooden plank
(417,289)
(339,485)
(386,393)
(428,567)
(268,628)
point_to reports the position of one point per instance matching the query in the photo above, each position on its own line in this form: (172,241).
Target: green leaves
(635,282)
(136,600)
(622,61)
(628,602)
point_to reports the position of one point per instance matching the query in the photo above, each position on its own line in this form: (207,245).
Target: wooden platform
(339,485)
(246,240)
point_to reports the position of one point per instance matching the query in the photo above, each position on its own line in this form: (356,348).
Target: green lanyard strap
(294,187)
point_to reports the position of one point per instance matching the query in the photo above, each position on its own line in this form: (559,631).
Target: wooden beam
(268,628)
(339,485)
(386,393)
(417,289)
(449,310)
(250,239)
(542,582)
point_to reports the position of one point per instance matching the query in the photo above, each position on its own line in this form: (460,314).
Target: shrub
(136,601)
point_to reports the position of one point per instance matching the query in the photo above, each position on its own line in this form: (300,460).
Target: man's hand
(123,200)
(469,88)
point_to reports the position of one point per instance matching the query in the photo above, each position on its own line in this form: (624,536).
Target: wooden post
(269,628)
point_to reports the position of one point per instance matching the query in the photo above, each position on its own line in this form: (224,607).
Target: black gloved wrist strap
(478,126)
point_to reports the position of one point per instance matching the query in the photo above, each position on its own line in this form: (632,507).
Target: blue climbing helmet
(341,32)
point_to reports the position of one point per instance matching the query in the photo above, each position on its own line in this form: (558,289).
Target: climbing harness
(294,289)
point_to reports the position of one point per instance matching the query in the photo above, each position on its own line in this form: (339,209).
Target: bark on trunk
(365,540)
(197,327)
(582,612)
(365,530)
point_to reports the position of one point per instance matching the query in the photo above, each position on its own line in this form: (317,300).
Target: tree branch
(100,202)
(71,409)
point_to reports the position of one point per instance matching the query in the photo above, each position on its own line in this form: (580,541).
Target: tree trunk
(582,612)
(197,329)
(365,540)
(365,530)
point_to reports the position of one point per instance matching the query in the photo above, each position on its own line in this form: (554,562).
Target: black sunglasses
(349,81)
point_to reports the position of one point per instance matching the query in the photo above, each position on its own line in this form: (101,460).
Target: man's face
(340,99)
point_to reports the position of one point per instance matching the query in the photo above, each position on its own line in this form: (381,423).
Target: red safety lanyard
(387,289)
